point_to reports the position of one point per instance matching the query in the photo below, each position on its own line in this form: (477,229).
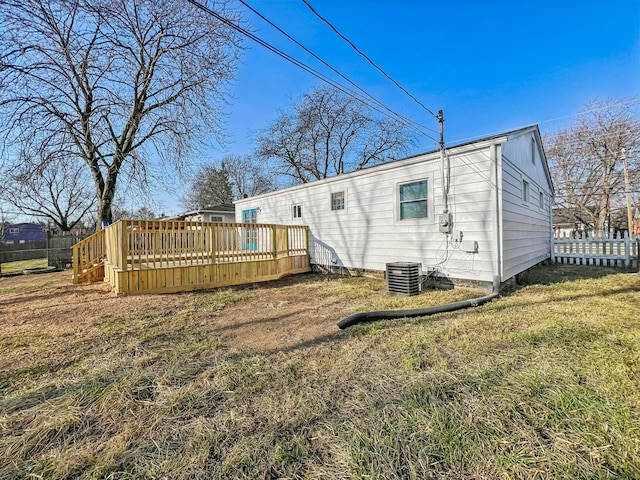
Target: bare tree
(58,190)
(229,179)
(248,176)
(142,213)
(586,160)
(211,186)
(327,133)
(126,81)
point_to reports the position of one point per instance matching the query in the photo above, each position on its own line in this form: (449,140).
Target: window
(250,216)
(525,191)
(249,233)
(541,200)
(337,201)
(215,218)
(413,200)
(14,230)
(297,211)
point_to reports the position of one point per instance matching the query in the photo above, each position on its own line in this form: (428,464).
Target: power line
(592,110)
(622,191)
(332,68)
(308,69)
(367,58)
(572,115)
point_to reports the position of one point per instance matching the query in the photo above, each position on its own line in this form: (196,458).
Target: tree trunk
(105,215)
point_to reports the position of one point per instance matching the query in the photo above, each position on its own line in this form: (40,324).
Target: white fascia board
(545,163)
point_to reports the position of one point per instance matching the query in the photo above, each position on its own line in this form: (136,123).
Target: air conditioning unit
(403,278)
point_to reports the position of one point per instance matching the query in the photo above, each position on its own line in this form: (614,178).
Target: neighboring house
(24,233)
(495,220)
(567,224)
(619,221)
(216,213)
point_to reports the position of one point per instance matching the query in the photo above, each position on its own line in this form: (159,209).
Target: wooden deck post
(75,261)
(274,241)
(213,241)
(286,234)
(124,245)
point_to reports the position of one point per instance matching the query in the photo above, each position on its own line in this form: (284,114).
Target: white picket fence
(597,249)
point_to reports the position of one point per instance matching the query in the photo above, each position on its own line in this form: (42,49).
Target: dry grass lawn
(259,382)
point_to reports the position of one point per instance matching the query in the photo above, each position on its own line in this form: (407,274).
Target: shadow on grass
(540,275)
(288,281)
(59,294)
(262,320)
(560,273)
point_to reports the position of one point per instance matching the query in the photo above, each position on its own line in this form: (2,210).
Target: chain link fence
(56,249)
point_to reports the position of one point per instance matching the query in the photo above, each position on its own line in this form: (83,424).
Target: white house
(488,215)
(216,213)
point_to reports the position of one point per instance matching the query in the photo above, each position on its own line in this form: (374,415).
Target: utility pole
(627,189)
(440,118)
(445,217)
(445,169)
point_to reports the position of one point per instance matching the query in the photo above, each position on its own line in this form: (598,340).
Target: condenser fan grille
(403,278)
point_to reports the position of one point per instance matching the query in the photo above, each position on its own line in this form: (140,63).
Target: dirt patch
(276,316)
(52,300)
(282,318)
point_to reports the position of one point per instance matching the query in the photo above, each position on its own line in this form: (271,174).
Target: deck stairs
(88,259)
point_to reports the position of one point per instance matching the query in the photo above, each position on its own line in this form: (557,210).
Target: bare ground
(49,307)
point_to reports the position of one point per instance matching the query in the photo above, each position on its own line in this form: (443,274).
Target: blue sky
(490,65)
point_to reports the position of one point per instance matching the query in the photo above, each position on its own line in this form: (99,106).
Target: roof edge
(455,149)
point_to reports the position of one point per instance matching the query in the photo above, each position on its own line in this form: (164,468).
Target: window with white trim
(297,211)
(14,230)
(414,201)
(337,201)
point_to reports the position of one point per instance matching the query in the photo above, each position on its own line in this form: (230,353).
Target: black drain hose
(419,312)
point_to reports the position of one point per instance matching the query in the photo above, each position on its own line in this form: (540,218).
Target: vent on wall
(403,278)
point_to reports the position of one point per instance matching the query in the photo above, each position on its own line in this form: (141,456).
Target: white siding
(526,226)
(368,233)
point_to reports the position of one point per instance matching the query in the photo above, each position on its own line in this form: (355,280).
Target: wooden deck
(138,257)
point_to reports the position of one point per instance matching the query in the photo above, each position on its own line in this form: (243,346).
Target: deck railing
(138,244)
(87,258)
